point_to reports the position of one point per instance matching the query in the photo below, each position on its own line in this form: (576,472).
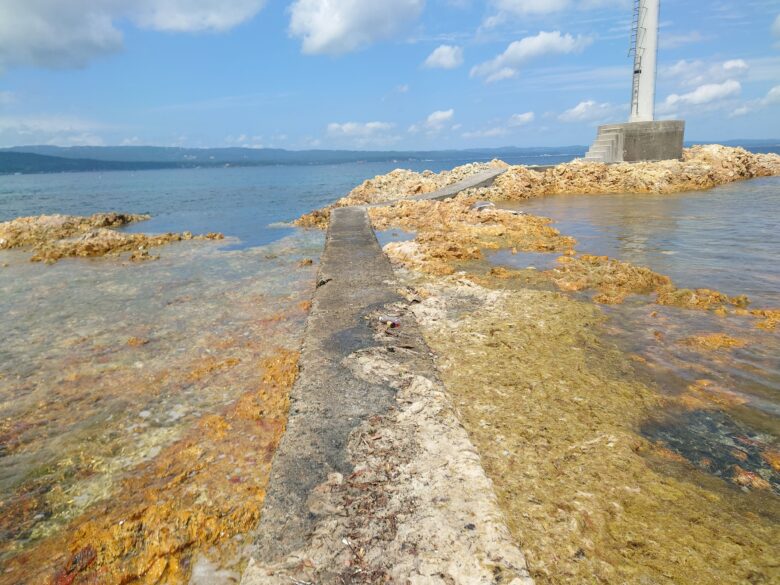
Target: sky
(374,74)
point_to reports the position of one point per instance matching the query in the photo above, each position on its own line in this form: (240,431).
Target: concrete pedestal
(638,141)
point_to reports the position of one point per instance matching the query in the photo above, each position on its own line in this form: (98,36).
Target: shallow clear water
(725,238)
(724,407)
(105,363)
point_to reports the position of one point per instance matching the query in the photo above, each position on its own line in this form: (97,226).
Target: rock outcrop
(53,237)
(702,167)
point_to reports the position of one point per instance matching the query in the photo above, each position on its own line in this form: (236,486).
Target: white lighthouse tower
(643,138)
(644,47)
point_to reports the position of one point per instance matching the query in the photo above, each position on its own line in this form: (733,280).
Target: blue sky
(375,74)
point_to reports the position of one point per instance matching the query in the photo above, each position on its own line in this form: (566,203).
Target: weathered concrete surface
(638,141)
(650,141)
(481,179)
(375,480)
(327,402)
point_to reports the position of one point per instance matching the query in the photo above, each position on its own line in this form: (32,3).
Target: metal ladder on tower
(635,49)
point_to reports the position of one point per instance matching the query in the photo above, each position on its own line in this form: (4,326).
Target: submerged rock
(614,279)
(53,237)
(35,230)
(713,341)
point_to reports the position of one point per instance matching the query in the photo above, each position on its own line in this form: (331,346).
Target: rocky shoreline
(515,455)
(555,411)
(702,167)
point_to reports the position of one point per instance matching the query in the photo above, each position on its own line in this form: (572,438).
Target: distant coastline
(55,159)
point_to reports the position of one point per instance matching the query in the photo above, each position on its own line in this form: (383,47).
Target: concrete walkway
(328,401)
(480,179)
(375,480)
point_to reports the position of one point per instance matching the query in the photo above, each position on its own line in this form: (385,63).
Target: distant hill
(270,156)
(24,162)
(52,159)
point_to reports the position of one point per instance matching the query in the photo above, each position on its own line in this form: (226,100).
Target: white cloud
(517,120)
(508,10)
(58,130)
(672,40)
(487,133)
(195,15)
(246,141)
(696,73)
(340,26)
(70,33)
(435,122)
(514,121)
(362,134)
(439,118)
(445,57)
(735,66)
(773,97)
(588,111)
(776,26)
(356,129)
(508,63)
(770,99)
(705,94)
(525,7)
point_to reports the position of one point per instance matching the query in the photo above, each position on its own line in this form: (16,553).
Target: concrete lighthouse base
(638,141)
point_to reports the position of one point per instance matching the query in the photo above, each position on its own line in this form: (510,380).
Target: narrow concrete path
(375,480)
(328,401)
(480,179)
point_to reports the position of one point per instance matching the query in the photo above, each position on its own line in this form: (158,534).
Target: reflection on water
(723,402)
(725,238)
(104,363)
(520,260)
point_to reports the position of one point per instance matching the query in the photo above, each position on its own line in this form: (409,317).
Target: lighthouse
(642,138)
(644,49)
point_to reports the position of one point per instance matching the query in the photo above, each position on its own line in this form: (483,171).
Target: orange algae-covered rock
(53,237)
(195,496)
(701,298)
(771,317)
(713,341)
(772,456)
(318,219)
(749,479)
(614,279)
(706,394)
(106,242)
(36,230)
(397,184)
(452,231)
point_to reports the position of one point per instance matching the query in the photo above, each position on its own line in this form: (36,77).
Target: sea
(105,363)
